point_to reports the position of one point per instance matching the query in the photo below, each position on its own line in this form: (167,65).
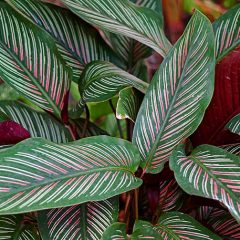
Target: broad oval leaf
(37,174)
(78,42)
(85,221)
(178,95)
(117,231)
(125,18)
(209,172)
(176,225)
(14,227)
(234,124)
(101,81)
(31,63)
(38,124)
(227,29)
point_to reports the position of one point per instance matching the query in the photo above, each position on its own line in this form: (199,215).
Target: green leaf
(16,227)
(101,81)
(178,95)
(234,124)
(226,30)
(117,231)
(85,221)
(38,124)
(79,43)
(128,104)
(30,62)
(7,92)
(175,225)
(232,148)
(37,174)
(209,172)
(125,18)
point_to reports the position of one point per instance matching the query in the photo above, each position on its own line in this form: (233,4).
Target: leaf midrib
(29,74)
(67,177)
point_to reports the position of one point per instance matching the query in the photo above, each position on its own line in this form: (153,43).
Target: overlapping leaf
(125,18)
(85,221)
(38,124)
(101,81)
(78,42)
(179,93)
(234,124)
(116,231)
(209,172)
(31,63)
(37,174)
(13,227)
(232,148)
(175,225)
(227,29)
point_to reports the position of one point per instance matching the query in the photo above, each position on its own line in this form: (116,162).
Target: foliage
(163,171)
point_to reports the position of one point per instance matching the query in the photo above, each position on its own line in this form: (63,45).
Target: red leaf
(11,133)
(224,105)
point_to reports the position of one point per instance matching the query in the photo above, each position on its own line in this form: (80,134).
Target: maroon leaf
(224,105)
(12,132)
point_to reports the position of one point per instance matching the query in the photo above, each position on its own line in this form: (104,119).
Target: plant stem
(118,121)
(85,123)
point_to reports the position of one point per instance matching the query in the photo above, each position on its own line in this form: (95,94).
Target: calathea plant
(63,177)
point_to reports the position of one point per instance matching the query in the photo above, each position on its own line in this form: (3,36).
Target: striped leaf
(101,81)
(117,231)
(38,124)
(234,124)
(178,96)
(170,195)
(232,148)
(125,18)
(79,43)
(131,51)
(85,221)
(17,227)
(209,172)
(175,225)
(37,174)
(227,32)
(224,224)
(31,63)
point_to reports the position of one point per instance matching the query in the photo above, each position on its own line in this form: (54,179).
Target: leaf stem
(118,121)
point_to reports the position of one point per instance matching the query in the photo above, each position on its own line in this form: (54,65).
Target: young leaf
(117,231)
(178,96)
(38,124)
(176,225)
(234,124)
(14,227)
(209,172)
(128,104)
(226,30)
(31,63)
(123,17)
(101,81)
(37,174)
(79,43)
(85,221)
